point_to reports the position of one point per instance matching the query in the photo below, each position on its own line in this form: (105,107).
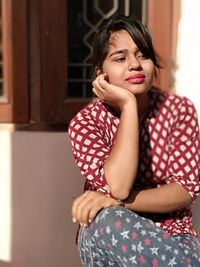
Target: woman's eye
(141,56)
(120,59)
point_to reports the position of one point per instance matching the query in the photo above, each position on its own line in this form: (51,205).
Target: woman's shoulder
(171,100)
(91,113)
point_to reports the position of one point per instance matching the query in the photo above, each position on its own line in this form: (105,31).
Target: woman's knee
(113,218)
(108,216)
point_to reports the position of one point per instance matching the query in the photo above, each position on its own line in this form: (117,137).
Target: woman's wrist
(121,204)
(130,104)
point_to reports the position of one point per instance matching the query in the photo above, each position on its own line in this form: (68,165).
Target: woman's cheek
(116,82)
(115,78)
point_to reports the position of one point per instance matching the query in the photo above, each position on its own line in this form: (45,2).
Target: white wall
(188,52)
(38,180)
(187,75)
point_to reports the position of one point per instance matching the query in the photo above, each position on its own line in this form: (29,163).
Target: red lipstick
(137,78)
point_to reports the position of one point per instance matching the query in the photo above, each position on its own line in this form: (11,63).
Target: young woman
(138,149)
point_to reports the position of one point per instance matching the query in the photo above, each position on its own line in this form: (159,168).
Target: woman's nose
(134,63)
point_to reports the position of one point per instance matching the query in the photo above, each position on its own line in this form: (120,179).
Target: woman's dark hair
(137,31)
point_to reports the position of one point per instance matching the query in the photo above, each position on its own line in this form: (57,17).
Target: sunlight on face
(126,66)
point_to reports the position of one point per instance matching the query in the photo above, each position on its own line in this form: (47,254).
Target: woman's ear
(97,71)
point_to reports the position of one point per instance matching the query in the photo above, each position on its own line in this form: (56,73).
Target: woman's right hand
(113,95)
(120,167)
(86,206)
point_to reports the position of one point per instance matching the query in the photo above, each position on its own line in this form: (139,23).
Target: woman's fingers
(98,83)
(81,208)
(97,93)
(74,209)
(86,206)
(96,208)
(77,205)
(110,93)
(97,89)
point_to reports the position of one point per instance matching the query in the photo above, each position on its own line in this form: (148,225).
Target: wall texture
(35,226)
(40,187)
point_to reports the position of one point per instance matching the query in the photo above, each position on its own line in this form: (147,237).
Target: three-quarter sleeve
(184,150)
(90,149)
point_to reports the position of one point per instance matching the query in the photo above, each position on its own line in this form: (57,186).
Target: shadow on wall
(44,181)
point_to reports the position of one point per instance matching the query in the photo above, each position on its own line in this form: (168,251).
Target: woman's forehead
(120,39)
(117,35)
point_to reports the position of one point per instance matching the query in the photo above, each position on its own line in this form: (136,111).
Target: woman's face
(126,66)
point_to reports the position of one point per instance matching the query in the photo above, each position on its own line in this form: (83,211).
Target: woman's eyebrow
(118,51)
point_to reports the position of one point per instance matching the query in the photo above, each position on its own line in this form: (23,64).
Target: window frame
(56,107)
(14,106)
(60,111)
(36,91)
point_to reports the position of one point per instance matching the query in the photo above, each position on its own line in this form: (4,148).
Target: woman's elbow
(120,193)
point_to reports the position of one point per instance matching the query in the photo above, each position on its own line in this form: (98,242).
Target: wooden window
(67,31)
(44,71)
(14,75)
(66,83)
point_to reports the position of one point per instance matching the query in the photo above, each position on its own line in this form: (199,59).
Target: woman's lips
(137,79)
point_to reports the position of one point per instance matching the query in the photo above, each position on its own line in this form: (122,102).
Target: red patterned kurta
(169,150)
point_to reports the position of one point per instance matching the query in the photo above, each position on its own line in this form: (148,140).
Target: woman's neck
(143,102)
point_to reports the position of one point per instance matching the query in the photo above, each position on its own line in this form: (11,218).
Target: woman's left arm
(182,183)
(164,199)
(183,169)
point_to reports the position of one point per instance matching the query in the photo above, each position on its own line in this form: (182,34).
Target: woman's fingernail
(74,220)
(83,225)
(89,220)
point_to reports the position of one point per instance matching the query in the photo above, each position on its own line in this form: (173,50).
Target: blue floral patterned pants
(121,238)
